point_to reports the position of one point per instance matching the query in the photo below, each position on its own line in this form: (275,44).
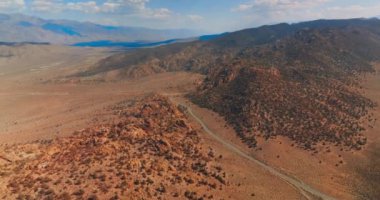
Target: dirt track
(301,186)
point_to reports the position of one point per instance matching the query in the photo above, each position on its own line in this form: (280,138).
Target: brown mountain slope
(150,152)
(304,87)
(299,80)
(202,56)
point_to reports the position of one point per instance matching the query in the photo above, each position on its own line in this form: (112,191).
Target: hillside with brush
(301,81)
(150,152)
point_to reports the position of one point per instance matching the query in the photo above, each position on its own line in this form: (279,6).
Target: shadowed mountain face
(300,81)
(20,28)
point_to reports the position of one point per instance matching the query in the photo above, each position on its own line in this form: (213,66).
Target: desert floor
(38,101)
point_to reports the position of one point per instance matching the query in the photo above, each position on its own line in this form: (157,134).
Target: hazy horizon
(206,16)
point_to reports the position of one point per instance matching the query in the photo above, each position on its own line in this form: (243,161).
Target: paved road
(301,186)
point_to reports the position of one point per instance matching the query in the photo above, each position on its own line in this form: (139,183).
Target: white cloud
(86,6)
(352,11)
(138,4)
(161,13)
(92,7)
(127,7)
(195,18)
(243,7)
(278,4)
(140,9)
(12,5)
(260,12)
(46,6)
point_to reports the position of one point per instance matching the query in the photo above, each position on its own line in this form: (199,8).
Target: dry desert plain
(40,101)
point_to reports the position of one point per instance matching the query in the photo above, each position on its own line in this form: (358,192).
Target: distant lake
(142,44)
(107,43)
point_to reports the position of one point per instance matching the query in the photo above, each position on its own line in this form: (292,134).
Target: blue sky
(207,15)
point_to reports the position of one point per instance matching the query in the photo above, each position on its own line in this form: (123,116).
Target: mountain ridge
(264,78)
(224,47)
(22,28)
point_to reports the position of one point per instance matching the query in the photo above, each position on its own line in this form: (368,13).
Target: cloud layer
(12,5)
(273,11)
(108,6)
(214,15)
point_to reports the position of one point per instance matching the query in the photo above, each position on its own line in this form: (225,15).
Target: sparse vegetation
(150,149)
(300,81)
(304,87)
(368,187)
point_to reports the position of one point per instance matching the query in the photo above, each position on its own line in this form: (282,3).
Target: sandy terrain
(367,162)
(39,102)
(46,110)
(34,107)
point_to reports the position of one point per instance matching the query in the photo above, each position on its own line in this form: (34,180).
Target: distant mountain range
(21,28)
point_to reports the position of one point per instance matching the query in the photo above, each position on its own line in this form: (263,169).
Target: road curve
(301,186)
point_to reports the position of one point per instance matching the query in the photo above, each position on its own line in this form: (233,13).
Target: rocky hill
(300,81)
(303,87)
(149,151)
